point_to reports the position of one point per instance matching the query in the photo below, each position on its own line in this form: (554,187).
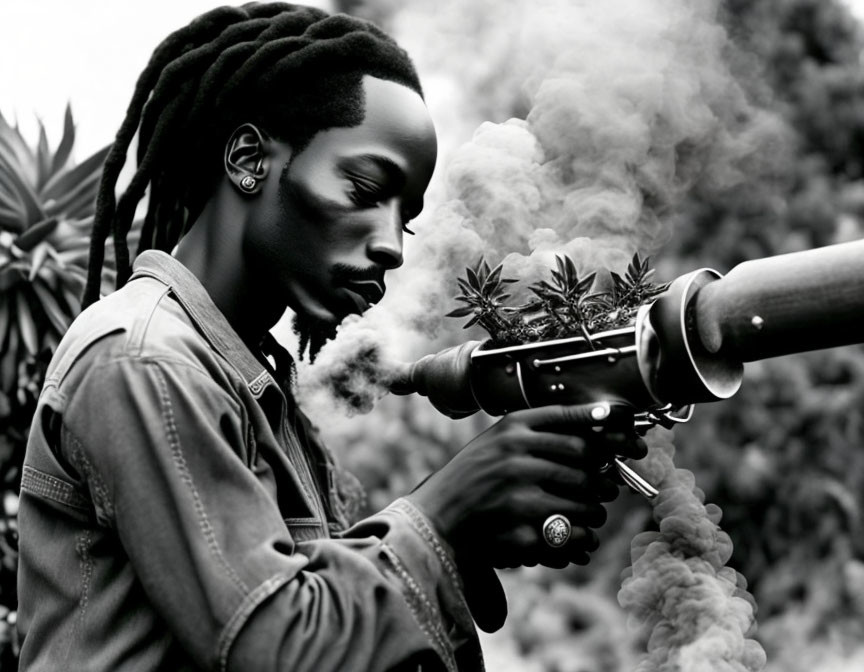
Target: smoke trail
(629,105)
(697,610)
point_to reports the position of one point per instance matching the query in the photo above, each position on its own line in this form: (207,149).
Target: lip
(361,305)
(372,291)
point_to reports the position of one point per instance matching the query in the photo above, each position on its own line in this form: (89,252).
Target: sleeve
(165,450)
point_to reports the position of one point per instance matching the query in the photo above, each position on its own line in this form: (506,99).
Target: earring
(248,184)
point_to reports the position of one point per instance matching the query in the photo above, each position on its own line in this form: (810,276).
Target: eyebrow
(394,172)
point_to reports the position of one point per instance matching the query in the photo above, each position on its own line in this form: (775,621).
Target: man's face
(332,223)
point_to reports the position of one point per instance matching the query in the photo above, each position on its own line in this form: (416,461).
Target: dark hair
(290,69)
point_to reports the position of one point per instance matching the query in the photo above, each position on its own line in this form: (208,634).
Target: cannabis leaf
(483,292)
(562,307)
(566,301)
(631,291)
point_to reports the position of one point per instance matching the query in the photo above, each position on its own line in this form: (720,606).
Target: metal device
(689,346)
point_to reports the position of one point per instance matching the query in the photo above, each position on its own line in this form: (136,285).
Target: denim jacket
(176,513)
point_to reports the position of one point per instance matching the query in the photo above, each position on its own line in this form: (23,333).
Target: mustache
(342,273)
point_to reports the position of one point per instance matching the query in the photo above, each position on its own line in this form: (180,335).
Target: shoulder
(140,322)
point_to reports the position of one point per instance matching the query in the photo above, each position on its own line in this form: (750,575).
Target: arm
(166,451)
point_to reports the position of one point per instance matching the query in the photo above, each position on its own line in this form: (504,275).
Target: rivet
(557,369)
(510,368)
(560,387)
(553,387)
(611,359)
(757,322)
(536,363)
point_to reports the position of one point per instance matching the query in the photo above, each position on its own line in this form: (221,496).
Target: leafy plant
(564,307)
(484,296)
(568,308)
(46,210)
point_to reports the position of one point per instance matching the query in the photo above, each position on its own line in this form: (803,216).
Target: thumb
(600,415)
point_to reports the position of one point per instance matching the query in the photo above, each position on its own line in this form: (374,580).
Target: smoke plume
(696,610)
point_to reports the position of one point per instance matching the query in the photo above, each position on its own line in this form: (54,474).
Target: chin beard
(313,334)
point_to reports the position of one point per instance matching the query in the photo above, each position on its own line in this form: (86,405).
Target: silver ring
(556,530)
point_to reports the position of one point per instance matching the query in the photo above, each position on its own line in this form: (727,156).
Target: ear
(246,160)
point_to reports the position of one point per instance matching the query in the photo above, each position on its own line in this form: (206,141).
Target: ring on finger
(556,530)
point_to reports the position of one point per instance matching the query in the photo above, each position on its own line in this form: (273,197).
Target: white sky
(90,52)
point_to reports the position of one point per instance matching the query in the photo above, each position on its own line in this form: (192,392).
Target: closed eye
(364,193)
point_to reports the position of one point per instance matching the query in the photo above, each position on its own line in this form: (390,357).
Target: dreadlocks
(293,70)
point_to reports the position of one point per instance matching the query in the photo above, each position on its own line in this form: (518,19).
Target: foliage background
(783,459)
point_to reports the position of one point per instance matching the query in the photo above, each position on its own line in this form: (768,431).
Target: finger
(511,553)
(580,418)
(524,546)
(601,449)
(562,449)
(633,447)
(536,485)
(580,558)
(578,513)
(519,546)
(592,451)
(582,542)
(578,485)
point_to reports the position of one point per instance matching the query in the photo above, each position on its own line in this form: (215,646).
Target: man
(177,512)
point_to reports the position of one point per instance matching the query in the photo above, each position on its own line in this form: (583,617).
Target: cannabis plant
(564,307)
(483,292)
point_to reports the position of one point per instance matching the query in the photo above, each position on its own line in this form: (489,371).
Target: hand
(491,500)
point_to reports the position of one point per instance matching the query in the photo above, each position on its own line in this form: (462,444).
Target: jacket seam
(423,610)
(137,348)
(182,467)
(99,492)
(418,522)
(249,604)
(86,566)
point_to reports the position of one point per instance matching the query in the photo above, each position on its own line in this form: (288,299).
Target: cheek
(320,216)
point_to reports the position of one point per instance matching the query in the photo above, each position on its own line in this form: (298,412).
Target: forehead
(395,111)
(396,125)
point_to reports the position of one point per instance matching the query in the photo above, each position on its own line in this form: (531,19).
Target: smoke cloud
(625,107)
(697,611)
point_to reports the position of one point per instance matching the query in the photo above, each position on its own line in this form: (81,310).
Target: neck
(213,252)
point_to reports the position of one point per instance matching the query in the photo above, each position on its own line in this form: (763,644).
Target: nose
(385,243)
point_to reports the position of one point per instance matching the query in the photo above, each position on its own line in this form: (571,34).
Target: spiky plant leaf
(562,307)
(46,207)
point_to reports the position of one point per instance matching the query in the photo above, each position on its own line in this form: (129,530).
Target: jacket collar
(208,319)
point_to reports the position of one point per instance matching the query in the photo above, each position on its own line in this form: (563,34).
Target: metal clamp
(666,416)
